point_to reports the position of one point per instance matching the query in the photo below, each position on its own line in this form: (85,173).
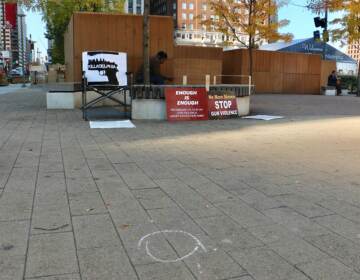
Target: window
(183,26)
(130,6)
(191,26)
(191,6)
(203,17)
(184,16)
(191,16)
(183,6)
(174,6)
(138,7)
(204,7)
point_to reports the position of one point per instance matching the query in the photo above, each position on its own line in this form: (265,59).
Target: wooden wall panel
(196,62)
(277,72)
(276,82)
(312,84)
(290,63)
(276,62)
(302,64)
(123,33)
(314,64)
(232,65)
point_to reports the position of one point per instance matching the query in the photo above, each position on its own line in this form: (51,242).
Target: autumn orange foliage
(248,22)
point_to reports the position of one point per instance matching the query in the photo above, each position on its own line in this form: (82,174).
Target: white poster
(105,67)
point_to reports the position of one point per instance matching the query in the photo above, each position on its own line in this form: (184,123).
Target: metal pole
(250,82)
(21,16)
(325,30)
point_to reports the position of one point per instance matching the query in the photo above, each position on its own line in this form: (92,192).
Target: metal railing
(158,91)
(249,84)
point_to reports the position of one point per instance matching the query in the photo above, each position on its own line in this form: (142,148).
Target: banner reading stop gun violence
(222,105)
(186,104)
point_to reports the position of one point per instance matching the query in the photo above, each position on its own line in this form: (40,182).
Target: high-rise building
(353,50)
(188,16)
(5,30)
(49,50)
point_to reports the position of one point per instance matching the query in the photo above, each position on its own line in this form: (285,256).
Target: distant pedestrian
(334,81)
(156,78)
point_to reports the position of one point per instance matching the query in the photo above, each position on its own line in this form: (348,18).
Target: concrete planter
(60,100)
(344,92)
(148,109)
(328,91)
(243,104)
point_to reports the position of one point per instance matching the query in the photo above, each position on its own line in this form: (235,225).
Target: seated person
(333,81)
(155,74)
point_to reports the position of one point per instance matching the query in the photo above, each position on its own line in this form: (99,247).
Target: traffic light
(320,22)
(317,36)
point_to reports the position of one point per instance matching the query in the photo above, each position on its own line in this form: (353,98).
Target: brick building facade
(353,51)
(188,16)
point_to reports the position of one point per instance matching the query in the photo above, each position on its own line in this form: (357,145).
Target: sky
(301,23)
(36,27)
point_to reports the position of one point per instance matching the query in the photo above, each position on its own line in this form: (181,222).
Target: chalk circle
(197,244)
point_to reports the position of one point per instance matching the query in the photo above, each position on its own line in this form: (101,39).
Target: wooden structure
(274,72)
(123,33)
(278,72)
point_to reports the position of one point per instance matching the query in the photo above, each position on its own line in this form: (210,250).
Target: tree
(57,15)
(236,18)
(346,28)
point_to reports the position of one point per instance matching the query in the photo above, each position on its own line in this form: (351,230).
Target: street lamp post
(21,17)
(325,36)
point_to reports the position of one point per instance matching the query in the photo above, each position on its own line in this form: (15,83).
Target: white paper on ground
(263,117)
(112,124)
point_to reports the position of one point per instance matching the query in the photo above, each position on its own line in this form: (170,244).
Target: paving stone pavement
(228,200)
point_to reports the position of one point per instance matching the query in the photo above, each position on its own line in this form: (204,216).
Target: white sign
(37,68)
(105,67)
(5,54)
(112,124)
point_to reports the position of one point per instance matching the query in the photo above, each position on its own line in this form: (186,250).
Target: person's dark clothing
(155,75)
(334,82)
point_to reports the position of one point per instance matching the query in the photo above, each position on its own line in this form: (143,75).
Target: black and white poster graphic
(105,67)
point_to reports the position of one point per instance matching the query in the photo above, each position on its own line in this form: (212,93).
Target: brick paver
(232,199)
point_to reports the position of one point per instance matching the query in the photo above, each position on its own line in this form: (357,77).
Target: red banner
(11,14)
(186,104)
(222,105)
